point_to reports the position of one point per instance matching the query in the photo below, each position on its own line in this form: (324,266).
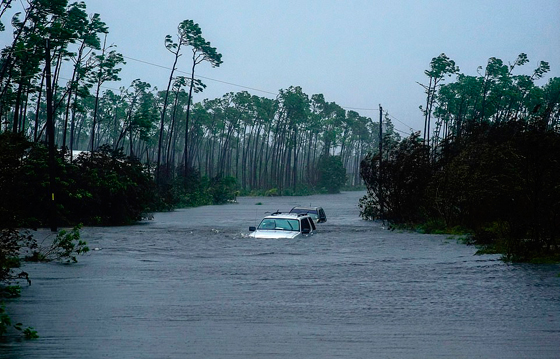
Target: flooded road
(190,284)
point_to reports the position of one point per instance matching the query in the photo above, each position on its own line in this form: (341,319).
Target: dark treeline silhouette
(490,166)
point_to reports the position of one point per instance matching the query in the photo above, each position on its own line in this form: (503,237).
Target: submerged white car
(283,225)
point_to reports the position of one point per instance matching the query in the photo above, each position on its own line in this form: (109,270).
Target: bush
(103,187)
(110,188)
(13,245)
(402,180)
(15,204)
(499,183)
(332,174)
(65,247)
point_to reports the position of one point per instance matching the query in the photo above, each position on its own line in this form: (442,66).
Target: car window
(305,224)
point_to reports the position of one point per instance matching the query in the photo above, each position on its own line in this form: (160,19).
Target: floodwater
(190,284)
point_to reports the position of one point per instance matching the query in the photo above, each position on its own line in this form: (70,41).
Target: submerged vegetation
(17,246)
(491,167)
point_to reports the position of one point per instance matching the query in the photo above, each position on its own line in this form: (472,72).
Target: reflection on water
(191,284)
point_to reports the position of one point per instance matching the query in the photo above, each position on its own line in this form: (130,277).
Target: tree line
(487,162)
(262,143)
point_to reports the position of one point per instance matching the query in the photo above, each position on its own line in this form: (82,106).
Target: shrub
(332,174)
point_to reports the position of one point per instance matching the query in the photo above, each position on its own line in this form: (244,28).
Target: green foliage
(492,167)
(500,184)
(6,323)
(30,333)
(12,243)
(99,188)
(110,188)
(402,181)
(223,189)
(65,247)
(5,320)
(504,185)
(10,291)
(179,190)
(332,174)
(13,149)
(264,143)
(300,190)
(273,192)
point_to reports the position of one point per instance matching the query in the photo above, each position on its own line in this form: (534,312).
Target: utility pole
(381,204)
(50,134)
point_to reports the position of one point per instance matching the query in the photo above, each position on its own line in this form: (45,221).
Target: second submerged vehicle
(317,213)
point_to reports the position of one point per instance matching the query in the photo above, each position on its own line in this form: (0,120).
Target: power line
(399,121)
(256,89)
(263,91)
(240,86)
(199,76)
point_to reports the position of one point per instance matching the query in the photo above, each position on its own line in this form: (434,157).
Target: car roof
(287,215)
(306,208)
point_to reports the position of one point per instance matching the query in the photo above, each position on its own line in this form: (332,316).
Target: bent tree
(175,49)
(440,67)
(201,51)
(184,38)
(107,70)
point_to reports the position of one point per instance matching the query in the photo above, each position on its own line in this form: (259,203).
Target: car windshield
(279,224)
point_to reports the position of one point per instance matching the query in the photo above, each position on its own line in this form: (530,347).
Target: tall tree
(88,38)
(107,70)
(201,51)
(21,61)
(440,67)
(175,49)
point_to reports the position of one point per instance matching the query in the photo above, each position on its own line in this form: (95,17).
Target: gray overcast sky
(358,53)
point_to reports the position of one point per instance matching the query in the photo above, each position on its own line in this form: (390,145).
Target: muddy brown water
(190,284)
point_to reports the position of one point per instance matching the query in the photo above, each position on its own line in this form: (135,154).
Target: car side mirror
(252,229)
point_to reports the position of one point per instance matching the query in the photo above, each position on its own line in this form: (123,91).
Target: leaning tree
(201,51)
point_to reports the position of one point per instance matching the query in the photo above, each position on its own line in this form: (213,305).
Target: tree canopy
(491,165)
